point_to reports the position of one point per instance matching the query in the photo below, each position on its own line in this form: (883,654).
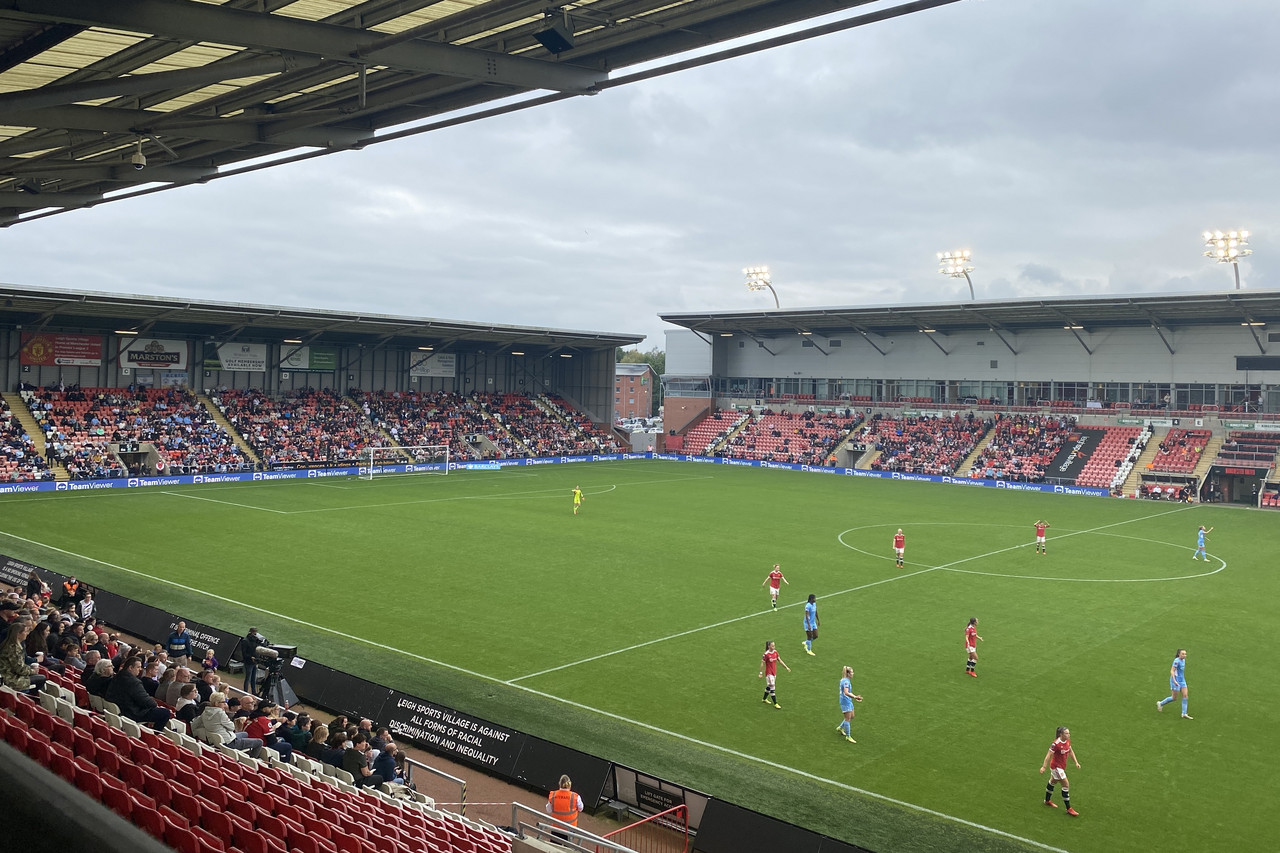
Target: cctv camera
(139,160)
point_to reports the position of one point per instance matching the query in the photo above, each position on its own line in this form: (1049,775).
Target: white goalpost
(418,459)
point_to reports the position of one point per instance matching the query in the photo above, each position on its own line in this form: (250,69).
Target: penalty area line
(550,697)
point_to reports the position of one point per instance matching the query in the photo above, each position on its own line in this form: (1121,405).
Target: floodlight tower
(956,265)
(1227,248)
(758,279)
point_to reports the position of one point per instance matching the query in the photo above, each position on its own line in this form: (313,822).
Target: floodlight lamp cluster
(1226,247)
(955,264)
(757,277)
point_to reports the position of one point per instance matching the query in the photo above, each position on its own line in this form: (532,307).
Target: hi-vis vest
(564,805)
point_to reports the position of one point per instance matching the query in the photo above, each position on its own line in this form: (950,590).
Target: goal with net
(419,459)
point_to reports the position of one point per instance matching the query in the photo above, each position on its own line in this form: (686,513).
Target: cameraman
(248,650)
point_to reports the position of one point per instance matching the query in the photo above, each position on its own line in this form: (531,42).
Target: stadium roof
(33,310)
(90,91)
(1162,311)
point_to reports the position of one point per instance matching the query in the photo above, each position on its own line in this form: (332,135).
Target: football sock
(766,696)
(845,727)
(1166,700)
(1184,704)
(1066,796)
(1048,792)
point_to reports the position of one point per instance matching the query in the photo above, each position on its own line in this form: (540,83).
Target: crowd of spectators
(308,426)
(799,438)
(923,445)
(415,419)
(20,459)
(1022,446)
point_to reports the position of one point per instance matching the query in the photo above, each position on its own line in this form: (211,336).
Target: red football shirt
(775,579)
(1058,753)
(970,636)
(770,659)
(899,540)
(1040,529)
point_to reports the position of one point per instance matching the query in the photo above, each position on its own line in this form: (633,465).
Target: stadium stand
(1022,446)
(81,424)
(198,798)
(805,438)
(1248,448)
(437,417)
(1180,451)
(20,459)
(1114,457)
(710,431)
(923,445)
(304,427)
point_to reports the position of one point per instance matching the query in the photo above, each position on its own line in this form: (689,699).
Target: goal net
(419,459)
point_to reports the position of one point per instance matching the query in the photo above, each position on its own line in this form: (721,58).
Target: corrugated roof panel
(314,10)
(195,56)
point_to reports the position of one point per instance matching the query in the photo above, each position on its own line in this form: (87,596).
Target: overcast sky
(1075,146)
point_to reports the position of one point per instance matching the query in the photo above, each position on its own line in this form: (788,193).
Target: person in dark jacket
(127,692)
(103,671)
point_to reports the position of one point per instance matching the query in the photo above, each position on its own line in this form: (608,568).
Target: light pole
(758,279)
(1227,248)
(956,265)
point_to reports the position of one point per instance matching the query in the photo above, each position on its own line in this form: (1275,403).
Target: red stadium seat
(89,781)
(146,818)
(187,805)
(218,823)
(178,835)
(209,842)
(118,800)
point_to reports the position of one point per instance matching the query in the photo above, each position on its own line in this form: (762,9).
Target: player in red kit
(775,580)
(1041,527)
(899,546)
(1056,760)
(769,672)
(971,640)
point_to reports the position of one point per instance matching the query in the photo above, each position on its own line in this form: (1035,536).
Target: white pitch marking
(650,727)
(224,503)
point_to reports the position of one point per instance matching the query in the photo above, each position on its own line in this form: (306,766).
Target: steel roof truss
(203,23)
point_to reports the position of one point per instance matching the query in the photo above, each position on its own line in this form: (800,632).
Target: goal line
(416,459)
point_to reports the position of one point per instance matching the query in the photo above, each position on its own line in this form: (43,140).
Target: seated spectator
(384,765)
(71,656)
(265,725)
(127,692)
(188,696)
(208,684)
(174,687)
(299,729)
(150,677)
(14,671)
(9,611)
(316,745)
(103,673)
(213,726)
(355,762)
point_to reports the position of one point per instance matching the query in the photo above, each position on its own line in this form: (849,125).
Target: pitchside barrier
(509,754)
(491,464)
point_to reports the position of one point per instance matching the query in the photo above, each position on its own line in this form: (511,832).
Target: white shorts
(770,680)
(1058,774)
(773,591)
(1039,540)
(971,650)
(899,551)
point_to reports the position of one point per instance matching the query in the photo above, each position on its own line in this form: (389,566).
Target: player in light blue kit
(1177,682)
(1200,543)
(847,698)
(810,623)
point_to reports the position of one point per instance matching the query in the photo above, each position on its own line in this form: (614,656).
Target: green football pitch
(634,631)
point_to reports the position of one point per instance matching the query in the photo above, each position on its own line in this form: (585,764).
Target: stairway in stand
(221,421)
